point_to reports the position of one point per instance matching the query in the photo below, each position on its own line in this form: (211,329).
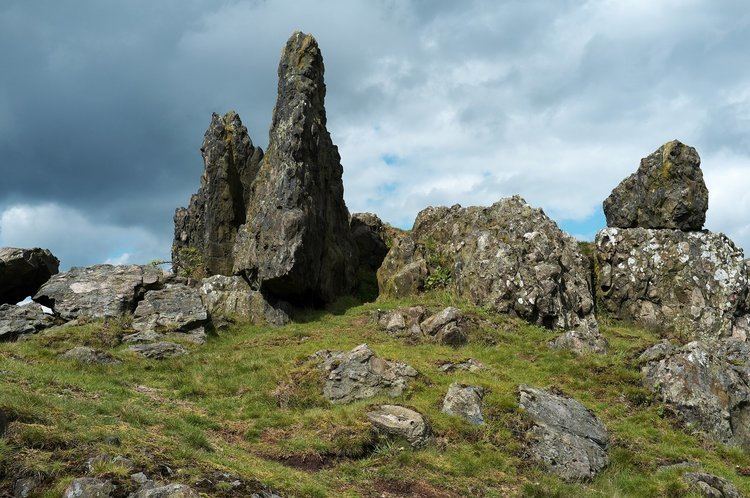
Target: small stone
(142,337)
(159,350)
(465,402)
(167,491)
(711,486)
(25,487)
(139,478)
(89,487)
(470,365)
(402,422)
(89,356)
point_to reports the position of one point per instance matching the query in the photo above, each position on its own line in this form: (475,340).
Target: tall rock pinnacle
(296,242)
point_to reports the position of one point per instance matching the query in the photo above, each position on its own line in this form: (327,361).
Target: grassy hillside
(249,404)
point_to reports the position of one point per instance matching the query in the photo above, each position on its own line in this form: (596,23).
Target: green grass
(248,403)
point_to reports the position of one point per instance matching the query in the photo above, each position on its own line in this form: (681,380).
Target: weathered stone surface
(175,308)
(23,271)
(402,322)
(448,326)
(25,319)
(159,350)
(166,491)
(360,374)
(26,486)
(296,243)
(89,487)
(667,191)
(711,486)
(694,282)
(89,356)
(401,422)
(373,238)
(566,437)
(232,297)
(100,291)
(581,340)
(210,222)
(469,365)
(707,386)
(509,257)
(465,402)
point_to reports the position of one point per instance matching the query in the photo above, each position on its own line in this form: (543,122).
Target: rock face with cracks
(175,308)
(296,243)
(21,320)
(23,271)
(232,297)
(465,402)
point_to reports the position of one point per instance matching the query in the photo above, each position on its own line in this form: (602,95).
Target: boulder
(159,350)
(706,385)
(711,486)
(402,322)
(448,326)
(26,486)
(89,356)
(508,257)
(565,436)
(89,487)
(667,191)
(23,271)
(100,291)
(175,308)
(166,491)
(232,297)
(400,422)
(296,244)
(692,282)
(208,226)
(20,320)
(360,374)
(465,402)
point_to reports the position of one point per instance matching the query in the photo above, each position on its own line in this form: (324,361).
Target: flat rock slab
(232,297)
(159,350)
(175,308)
(566,437)
(400,422)
(465,402)
(89,356)
(100,291)
(360,374)
(23,271)
(711,486)
(21,320)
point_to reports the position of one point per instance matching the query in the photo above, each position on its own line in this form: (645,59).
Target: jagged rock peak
(208,226)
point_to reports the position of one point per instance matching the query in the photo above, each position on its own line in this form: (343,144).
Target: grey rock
(508,257)
(465,402)
(693,282)
(402,322)
(175,308)
(26,486)
(100,291)
(23,271)
(89,356)
(360,374)
(296,243)
(667,191)
(210,222)
(89,487)
(711,486)
(139,478)
(469,365)
(656,352)
(581,340)
(373,238)
(448,326)
(142,337)
(398,421)
(707,386)
(232,297)
(20,320)
(159,350)
(167,491)
(565,437)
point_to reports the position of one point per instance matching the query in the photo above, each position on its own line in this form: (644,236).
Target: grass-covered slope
(249,404)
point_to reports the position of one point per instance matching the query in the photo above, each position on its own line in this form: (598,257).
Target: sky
(103,106)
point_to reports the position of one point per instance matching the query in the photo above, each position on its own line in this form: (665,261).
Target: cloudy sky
(103,105)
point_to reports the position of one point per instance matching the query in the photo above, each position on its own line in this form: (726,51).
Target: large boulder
(465,402)
(667,191)
(296,243)
(208,226)
(693,282)
(175,308)
(232,297)
(565,436)
(401,422)
(706,385)
(100,291)
(20,320)
(508,257)
(23,271)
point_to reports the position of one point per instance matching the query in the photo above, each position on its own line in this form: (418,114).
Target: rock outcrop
(448,326)
(296,243)
(465,402)
(29,318)
(373,238)
(23,271)
(565,436)
(508,257)
(209,224)
(693,282)
(711,486)
(159,350)
(667,191)
(232,297)
(89,356)
(400,422)
(706,385)
(100,291)
(175,308)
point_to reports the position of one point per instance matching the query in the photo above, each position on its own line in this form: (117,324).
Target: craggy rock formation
(175,308)
(707,386)
(296,242)
(360,374)
(100,291)
(565,437)
(448,326)
(23,271)
(711,486)
(465,402)
(210,222)
(20,320)
(509,257)
(232,297)
(373,238)
(400,422)
(694,282)
(667,191)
